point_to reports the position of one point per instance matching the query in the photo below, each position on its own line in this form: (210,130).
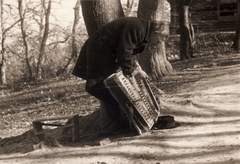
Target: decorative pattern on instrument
(136,98)
(137,92)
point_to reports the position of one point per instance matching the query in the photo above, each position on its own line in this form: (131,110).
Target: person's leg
(108,121)
(110,109)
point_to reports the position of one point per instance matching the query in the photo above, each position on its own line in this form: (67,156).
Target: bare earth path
(208,110)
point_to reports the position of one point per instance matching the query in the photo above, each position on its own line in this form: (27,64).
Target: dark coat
(112,46)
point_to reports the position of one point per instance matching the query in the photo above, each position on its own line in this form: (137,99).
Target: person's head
(158,31)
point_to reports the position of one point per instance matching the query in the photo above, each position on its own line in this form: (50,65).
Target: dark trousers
(101,92)
(110,109)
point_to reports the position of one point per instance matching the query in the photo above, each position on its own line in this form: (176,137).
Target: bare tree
(187,37)
(97,13)
(3,49)
(25,40)
(3,37)
(75,38)
(154,60)
(47,10)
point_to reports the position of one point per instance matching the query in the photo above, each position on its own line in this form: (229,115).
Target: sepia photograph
(119,81)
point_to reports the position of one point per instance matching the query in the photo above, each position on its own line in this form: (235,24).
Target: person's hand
(140,72)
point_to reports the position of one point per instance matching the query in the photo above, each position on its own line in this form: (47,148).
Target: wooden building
(208,15)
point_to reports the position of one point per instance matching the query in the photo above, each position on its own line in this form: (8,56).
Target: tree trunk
(3,49)
(187,38)
(25,41)
(75,39)
(3,64)
(236,42)
(174,16)
(44,40)
(97,13)
(153,60)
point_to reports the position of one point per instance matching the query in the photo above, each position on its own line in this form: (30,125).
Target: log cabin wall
(208,15)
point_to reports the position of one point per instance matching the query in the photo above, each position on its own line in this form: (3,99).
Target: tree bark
(25,41)
(3,49)
(187,37)
(236,42)
(3,63)
(153,60)
(97,13)
(44,40)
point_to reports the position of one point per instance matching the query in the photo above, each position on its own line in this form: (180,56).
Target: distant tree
(32,15)
(97,13)
(75,38)
(35,39)
(187,37)
(75,34)
(3,48)
(47,11)
(154,60)
(25,39)
(236,42)
(4,30)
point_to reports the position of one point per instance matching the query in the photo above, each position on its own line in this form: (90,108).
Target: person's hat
(165,122)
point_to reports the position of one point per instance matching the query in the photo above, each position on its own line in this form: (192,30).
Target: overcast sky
(64,11)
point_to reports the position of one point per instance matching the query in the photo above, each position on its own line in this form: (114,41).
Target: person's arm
(129,40)
(131,37)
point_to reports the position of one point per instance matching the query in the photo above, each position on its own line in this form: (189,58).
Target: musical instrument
(136,98)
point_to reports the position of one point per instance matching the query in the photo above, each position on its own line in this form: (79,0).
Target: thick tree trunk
(25,41)
(236,42)
(153,60)
(187,38)
(97,13)
(44,41)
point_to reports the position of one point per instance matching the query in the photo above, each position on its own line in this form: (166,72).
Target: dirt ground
(203,97)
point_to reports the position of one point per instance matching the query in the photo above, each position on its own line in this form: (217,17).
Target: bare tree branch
(61,41)
(13,51)
(10,27)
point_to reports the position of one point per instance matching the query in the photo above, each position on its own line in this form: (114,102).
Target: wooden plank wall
(204,16)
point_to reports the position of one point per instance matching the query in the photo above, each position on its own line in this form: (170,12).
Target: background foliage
(59,43)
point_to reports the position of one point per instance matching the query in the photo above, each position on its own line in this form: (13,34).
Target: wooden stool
(38,123)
